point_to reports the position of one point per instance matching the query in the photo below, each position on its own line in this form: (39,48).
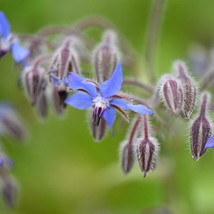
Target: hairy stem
(152,36)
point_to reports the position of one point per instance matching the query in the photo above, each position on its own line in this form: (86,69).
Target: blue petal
(210,142)
(4,26)
(141,109)
(113,85)
(109,115)
(79,100)
(120,103)
(55,80)
(19,53)
(76,82)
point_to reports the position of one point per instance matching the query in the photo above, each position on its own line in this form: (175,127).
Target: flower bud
(106,56)
(189,89)
(10,123)
(170,91)
(9,191)
(42,105)
(127,146)
(147,148)
(34,79)
(127,155)
(200,129)
(66,59)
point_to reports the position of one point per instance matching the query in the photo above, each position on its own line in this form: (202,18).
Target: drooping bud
(147,148)
(127,147)
(6,164)
(9,191)
(10,123)
(200,129)
(189,89)
(42,105)
(65,59)
(127,155)
(34,79)
(171,93)
(106,56)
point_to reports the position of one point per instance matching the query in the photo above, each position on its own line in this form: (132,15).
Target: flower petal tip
(210,142)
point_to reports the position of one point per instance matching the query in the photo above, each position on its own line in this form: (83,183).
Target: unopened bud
(127,156)
(34,80)
(189,89)
(65,60)
(42,105)
(10,123)
(147,148)
(106,56)
(171,93)
(9,191)
(200,129)
(127,147)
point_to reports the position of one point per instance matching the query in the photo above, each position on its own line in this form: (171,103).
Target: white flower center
(100,104)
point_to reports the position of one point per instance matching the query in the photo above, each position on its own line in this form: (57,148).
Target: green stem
(152,36)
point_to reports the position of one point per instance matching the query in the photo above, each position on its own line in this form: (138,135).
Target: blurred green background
(60,170)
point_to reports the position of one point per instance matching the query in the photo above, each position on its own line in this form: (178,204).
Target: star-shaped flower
(9,43)
(103,98)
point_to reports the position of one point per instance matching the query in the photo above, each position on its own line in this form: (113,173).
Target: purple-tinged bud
(10,123)
(42,105)
(189,89)
(65,59)
(6,164)
(171,93)
(147,148)
(106,56)
(200,129)
(34,79)
(127,155)
(9,191)
(127,147)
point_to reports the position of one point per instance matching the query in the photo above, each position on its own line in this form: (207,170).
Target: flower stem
(152,36)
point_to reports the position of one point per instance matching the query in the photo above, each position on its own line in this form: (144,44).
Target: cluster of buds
(11,126)
(178,91)
(140,144)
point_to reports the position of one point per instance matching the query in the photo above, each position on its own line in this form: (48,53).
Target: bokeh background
(60,170)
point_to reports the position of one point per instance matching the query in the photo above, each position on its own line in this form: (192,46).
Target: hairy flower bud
(200,129)
(147,148)
(189,89)
(127,155)
(171,93)
(127,146)
(42,105)
(34,79)
(10,123)
(9,191)
(65,59)
(106,56)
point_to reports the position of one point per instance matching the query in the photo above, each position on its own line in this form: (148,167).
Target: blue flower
(103,98)
(9,43)
(210,142)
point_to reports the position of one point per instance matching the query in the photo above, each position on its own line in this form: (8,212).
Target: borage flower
(9,43)
(103,98)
